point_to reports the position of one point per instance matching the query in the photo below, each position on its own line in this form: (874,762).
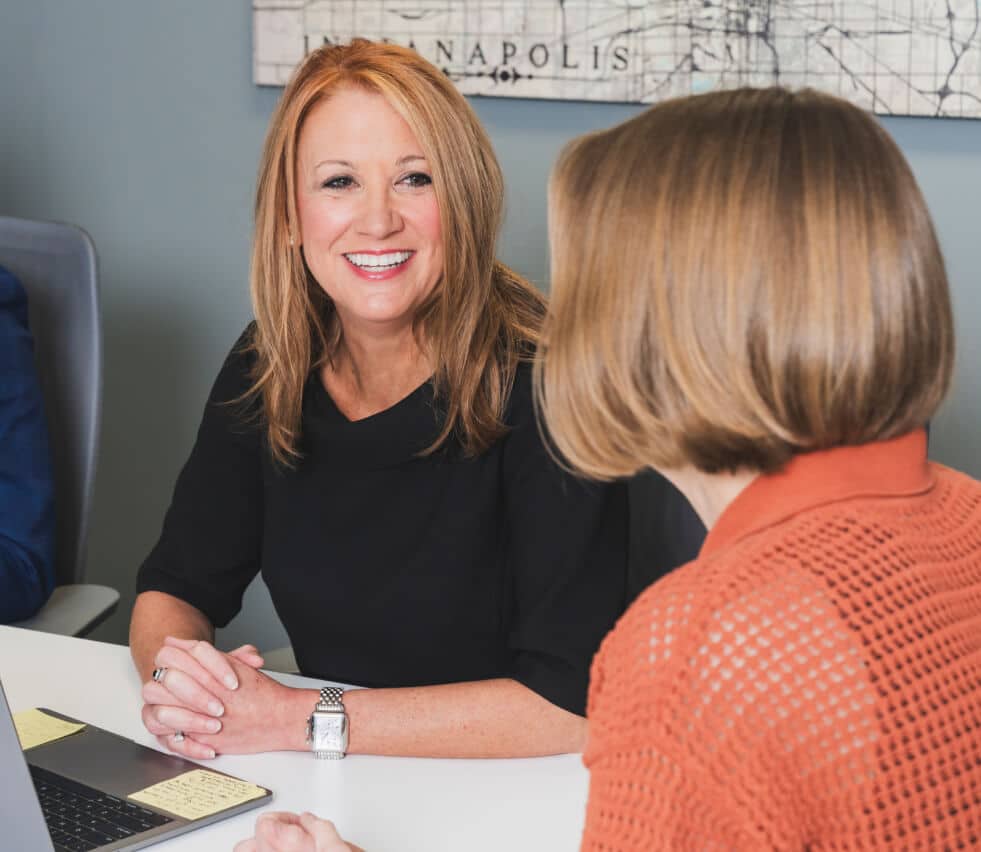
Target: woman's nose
(379,217)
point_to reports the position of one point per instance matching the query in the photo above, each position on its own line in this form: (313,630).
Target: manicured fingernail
(213,725)
(215,709)
(231,682)
(209,753)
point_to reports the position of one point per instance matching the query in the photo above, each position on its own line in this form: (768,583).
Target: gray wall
(137,120)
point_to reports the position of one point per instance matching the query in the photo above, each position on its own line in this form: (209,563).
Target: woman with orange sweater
(748,295)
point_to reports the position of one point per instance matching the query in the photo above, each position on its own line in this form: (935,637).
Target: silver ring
(158,674)
(178,736)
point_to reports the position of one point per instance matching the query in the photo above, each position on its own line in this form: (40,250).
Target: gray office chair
(281,660)
(57,266)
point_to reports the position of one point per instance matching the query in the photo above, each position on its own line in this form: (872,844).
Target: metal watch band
(331,698)
(330,703)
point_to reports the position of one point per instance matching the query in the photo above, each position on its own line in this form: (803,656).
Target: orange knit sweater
(812,680)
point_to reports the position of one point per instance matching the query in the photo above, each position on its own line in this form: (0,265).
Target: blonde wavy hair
(481,320)
(739,277)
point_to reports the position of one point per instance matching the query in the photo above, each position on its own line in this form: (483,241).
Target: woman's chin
(378,316)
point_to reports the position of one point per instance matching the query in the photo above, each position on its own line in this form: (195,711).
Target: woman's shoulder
(13,312)
(520,408)
(957,484)
(711,600)
(232,399)
(12,295)
(236,374)
(699,636)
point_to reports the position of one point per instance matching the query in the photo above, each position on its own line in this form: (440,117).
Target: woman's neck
(709,493)
(372,372)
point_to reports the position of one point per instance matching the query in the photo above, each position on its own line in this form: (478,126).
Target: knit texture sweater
(812,680)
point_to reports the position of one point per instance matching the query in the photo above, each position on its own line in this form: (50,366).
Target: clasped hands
(221,702)
(208,702)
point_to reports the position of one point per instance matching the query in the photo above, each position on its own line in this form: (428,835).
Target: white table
(382,803)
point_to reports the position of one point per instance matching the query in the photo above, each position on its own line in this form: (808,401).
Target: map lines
(901,57)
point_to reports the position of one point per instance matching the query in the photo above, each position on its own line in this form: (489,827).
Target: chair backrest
(57,266)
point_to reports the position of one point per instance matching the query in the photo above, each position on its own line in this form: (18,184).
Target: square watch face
(328,731)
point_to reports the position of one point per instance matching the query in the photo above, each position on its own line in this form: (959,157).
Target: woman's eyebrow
(344,163)
(401,161)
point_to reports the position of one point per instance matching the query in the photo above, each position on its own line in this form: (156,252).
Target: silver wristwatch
(327,726)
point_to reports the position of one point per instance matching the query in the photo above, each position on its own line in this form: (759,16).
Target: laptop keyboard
(81,818)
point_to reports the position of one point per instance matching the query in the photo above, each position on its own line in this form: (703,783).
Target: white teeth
(378,261)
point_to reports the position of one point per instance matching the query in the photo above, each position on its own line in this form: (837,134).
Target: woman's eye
(339,182)
(417,179)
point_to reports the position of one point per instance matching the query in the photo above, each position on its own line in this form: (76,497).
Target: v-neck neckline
(406,400)
(393,436)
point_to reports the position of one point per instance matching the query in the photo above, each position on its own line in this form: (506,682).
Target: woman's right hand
(286,832)
(186,699)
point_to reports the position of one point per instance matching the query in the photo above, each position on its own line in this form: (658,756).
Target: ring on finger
(178,736)
(158,674)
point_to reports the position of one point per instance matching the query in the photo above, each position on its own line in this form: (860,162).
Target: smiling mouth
(378,262)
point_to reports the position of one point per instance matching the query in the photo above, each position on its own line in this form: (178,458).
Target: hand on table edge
(280,831)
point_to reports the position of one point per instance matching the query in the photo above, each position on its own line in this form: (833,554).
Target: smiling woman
(420,148)
(370,446)
(367,213)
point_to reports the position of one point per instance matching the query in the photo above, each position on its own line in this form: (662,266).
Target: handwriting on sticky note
(198,793)
(35,728)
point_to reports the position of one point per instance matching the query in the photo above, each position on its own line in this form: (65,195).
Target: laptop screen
(20,813)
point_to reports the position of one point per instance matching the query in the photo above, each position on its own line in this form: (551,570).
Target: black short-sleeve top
(389,568)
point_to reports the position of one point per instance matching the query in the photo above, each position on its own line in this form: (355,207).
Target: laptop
(72,794)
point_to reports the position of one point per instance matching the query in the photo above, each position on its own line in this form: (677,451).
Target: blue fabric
(27,529)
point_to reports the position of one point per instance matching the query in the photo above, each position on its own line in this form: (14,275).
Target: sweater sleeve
(675,807)
(27,573)
(209,549)
(567,553)
(717,707)
(648,788)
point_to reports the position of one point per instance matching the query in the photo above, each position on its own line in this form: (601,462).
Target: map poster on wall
(899,57)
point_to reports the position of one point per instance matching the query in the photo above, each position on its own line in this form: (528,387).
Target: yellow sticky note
(198,793)
(35,728)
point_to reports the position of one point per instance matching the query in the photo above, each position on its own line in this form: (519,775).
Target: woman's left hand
(259,715)
(285,832)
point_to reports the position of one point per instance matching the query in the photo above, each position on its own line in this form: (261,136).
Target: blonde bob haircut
(739,277)
(481,319)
